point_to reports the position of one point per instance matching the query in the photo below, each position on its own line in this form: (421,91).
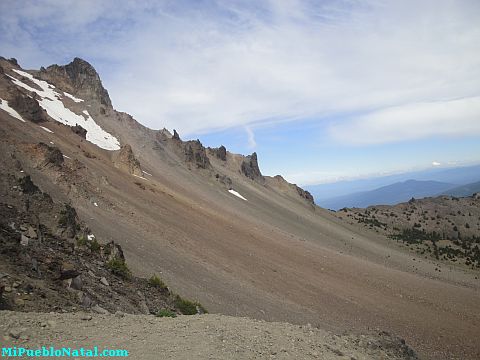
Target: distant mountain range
(464,190)
(458,175)
(388,195)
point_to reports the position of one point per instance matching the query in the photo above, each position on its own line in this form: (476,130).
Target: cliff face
(250,167)
(78,77)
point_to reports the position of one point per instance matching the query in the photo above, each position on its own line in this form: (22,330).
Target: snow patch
(233,192)
(95,204)
(51,142)
(50,101)
(90,237)
(146,173)
(77,100)
(66,157)
(47,129)
(5,107)
(141,177)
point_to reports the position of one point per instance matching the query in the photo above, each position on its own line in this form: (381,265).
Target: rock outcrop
(220,152)
(126,160)
(78,77)
(28,108)
(195,153)
(80,131)
(304,194)
(175,135)
(250,167)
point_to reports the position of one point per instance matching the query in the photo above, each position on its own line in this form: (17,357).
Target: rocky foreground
(194,337)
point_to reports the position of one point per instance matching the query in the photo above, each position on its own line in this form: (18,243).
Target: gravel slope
(194,337)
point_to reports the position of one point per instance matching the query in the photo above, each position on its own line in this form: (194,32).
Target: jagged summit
(250,167)
(78,77)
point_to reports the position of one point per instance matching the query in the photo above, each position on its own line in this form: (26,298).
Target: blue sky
(321,90)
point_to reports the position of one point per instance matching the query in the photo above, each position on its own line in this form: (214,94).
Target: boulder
(80,131)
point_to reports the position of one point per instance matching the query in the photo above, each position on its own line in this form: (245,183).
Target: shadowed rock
(28,108)
(250,167)
(80,131)
(220,153)
(195,153)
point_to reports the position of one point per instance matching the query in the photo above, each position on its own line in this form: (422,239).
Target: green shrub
(119,268)
(94,245)
(166,313)
(82,241)
(155,281)
(187,307)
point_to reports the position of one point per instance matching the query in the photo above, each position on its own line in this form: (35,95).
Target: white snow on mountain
(233,192)
(77,100)
(47,129)
(50,101)
(5,107)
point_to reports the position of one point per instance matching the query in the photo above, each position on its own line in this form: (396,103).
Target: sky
(321,90)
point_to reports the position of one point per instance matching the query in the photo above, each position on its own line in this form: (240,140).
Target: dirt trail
(194,337)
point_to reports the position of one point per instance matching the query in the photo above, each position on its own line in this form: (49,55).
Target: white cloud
(412,121)
(436,163)
(222,64)
(251,137)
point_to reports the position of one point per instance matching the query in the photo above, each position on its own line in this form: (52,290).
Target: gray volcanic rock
(80,131)
(78,77)
(127,161)
(195,153)
(175,135)
(250,167)
(220,153)
(28,108)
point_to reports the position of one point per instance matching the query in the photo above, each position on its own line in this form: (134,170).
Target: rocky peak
(195,153)
(79,77)
(126,160)
(250,167)
(175,135)
(220,153)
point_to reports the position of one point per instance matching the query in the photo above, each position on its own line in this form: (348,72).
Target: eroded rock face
(220,153)
(28,108)
(80,131)
(305,194)
(78,77)
(250,167)
(195,153)
(127,161)
(175,135)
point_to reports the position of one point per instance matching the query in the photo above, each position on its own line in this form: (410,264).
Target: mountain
(205,220)
(455,175)
(387,195)
(464,190)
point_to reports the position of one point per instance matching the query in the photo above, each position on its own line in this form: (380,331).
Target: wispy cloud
(251,137)
(199,67)
(412,121)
